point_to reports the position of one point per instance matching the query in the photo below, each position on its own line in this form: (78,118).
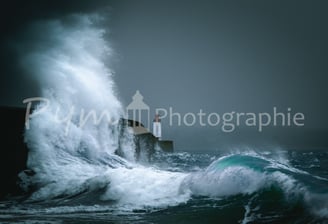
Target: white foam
(229,181)
(143,186)
(68,63)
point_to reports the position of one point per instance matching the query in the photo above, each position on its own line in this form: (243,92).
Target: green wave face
(255,163)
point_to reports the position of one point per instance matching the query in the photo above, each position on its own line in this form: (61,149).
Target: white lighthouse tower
(157,127)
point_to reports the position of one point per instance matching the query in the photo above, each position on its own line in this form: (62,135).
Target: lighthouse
(157,127)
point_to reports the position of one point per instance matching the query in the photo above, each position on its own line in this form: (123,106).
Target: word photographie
(230,120)
(227,122)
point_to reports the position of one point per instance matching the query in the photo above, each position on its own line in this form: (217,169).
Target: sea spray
(66,149)
(70,151)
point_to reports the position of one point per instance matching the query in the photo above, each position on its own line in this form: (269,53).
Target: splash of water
(70,159)
(69,66)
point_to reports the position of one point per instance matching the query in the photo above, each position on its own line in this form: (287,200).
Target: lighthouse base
(166,145)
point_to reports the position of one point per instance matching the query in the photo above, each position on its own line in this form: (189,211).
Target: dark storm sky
(216,55)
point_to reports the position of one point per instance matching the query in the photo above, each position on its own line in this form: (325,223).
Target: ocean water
(82,172)
(233,187)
